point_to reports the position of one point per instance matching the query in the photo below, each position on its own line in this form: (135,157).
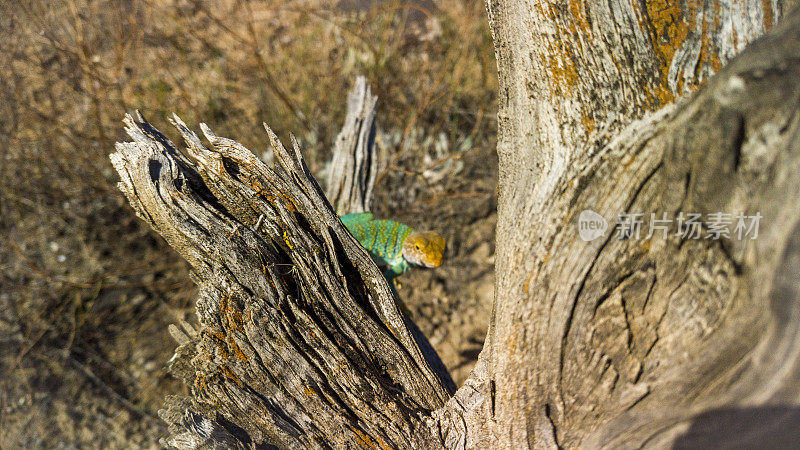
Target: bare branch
(301,343)
(351,176)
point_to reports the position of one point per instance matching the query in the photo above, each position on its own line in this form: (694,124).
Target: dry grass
(86,290)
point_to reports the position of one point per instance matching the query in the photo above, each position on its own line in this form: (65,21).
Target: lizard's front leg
(391,275)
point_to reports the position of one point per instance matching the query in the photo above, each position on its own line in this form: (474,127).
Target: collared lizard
(394,245)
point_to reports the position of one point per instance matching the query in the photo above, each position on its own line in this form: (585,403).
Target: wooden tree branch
(351,177)
(571,72)
(630,339)
(300,341)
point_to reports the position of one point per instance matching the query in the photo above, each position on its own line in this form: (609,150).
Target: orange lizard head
(424,248)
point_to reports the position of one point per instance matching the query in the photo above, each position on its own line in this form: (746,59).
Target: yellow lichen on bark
(587,121)
(558,57)
(562,68)
(668,27)
(766,6)
(365,441)
(236,349)
(232,315)
(229,374)
(579,18)
(287,241)
(711,54)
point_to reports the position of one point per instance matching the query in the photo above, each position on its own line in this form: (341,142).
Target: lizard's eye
(418,247)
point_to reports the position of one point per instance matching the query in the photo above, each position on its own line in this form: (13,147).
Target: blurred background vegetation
(87,290)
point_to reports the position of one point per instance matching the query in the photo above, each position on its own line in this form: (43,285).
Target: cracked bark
(611,343)
(298,326)
(354,166)
(621,343)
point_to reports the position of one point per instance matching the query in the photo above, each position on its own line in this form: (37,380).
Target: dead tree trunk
(607,343)
(620,343)
(351,176)
(301,343)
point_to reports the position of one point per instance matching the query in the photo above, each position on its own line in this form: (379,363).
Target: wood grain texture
(612,343)
(354,166)
(300,342)
(615,341)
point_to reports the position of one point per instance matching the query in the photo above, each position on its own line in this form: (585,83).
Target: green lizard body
(394,245)
(383,239)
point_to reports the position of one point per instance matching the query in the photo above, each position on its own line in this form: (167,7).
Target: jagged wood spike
(354,166)
(292,311)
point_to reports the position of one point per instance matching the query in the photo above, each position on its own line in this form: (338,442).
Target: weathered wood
(354,166)
(301,343)
(609,343)
(616,342)
(351,181)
